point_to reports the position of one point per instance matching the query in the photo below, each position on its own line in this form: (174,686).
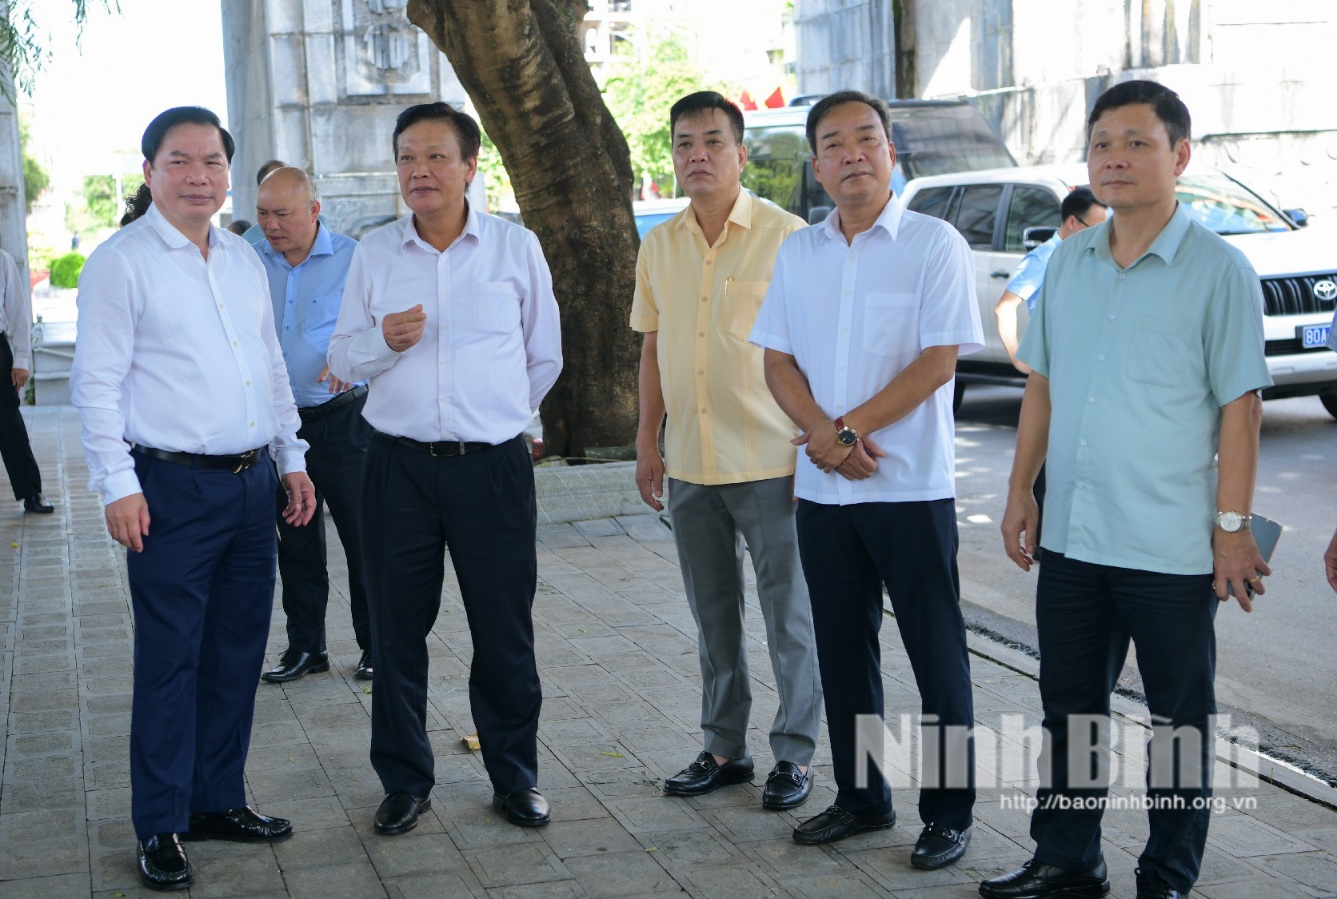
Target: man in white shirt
(862,324)
(15,366)
(450,314)
(183,397)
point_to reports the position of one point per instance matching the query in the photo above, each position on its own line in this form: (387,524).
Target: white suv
(998,212)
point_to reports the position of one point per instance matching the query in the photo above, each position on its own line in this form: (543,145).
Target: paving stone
(356,880)
(518,864)
(621,874)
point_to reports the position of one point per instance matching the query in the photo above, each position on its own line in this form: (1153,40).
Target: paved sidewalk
(617,655)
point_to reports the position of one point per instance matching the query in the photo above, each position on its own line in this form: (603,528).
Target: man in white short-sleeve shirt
(865,316)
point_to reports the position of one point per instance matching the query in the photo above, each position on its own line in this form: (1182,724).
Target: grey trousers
(712,525)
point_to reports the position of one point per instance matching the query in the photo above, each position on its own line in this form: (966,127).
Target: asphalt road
(1276,667)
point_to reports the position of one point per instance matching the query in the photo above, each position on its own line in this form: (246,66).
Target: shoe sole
(314,669)
(1091,891)
(861,828)
(166,887)
(199,836)
(520,822)
(424,806)
(362,676)
(674,790)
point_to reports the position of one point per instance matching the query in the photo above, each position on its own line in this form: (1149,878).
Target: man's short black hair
(1163,101)
(830,101)
(1078,202)
(471,137)
(181,115)
(264,171)
(704,101)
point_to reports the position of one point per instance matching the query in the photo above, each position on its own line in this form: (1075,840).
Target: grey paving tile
(351,880)
(621,874)
(512,865)
(63,886)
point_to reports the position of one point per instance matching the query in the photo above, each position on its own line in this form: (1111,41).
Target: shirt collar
(170,234)
(1165,246)
(740,214)
(472,228)
(323,246)
(889,220)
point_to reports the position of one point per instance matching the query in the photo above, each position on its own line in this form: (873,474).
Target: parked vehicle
(653,212)
(998,210)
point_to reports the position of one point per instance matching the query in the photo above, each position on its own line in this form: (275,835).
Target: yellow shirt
(723,425)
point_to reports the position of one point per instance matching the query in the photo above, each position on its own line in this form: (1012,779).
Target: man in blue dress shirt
(307,265)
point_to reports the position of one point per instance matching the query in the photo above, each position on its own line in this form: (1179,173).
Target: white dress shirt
(854,316)
(15,312)
(177,353)
(491,347)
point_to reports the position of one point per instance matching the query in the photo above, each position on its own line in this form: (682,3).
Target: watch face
(1229,521)
(846,437)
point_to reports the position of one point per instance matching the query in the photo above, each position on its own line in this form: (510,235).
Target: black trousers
(15,449)
(1086,614)
(202,593)
(481,507)
(334,463)
(848,553)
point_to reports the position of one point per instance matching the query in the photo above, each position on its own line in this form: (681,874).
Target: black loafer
(787,786)
(163,864)
(364,666)
(938,847)
(399,813)
(238,825)
(527,808)
(295,663)
(37,503)
(706,775)
(1150,886)
(835,824)
(1040,881)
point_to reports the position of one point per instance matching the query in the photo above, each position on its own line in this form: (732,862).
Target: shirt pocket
(891,323)
(496,308)
(1160,351)
(742,304)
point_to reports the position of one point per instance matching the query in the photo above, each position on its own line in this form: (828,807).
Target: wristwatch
(1230,522)
(845,435)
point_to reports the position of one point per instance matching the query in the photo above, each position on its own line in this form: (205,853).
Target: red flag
(775,99)
(746,102)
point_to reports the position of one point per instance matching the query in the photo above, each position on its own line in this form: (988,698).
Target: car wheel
(1329,401)
(959,392)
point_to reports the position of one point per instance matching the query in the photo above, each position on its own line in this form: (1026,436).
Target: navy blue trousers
(1086,614)
(202,591)
(848,554)
(338,447)
(15,448)
(481,507)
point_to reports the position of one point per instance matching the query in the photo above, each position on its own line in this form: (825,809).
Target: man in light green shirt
(1147,356)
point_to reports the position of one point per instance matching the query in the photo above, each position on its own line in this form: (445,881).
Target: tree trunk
(523,66)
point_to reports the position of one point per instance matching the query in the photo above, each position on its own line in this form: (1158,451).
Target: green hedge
(65,270)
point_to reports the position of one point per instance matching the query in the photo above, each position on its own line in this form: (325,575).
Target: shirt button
(248,383)
(1121,277)
(1101,358)
(709,261)
(252,424)
(700,371)
(700,333)
(1081,486)
(1090,399)
(1082,442)
(1111,318)
(705,411)
(234,343)
(705,299)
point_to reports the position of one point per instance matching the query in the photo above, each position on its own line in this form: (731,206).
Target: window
(1032,207)
(934,201)
(977,214)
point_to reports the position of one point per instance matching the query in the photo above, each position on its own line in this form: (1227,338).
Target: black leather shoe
(1038,881)
(37,503)
(527,808)
(706,775)
(938,847)
(163,864)
(1150,886)
(399,813)
(238,825)
(787,786)
(364,666)
(835,824)
(295,663)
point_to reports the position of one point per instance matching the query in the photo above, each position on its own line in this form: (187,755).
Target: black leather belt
(441,447)
(313,413)
(236,464)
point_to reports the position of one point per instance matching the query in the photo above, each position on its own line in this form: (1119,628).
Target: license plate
(1313,336)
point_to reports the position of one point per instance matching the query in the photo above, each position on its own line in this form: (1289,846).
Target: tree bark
(523,66)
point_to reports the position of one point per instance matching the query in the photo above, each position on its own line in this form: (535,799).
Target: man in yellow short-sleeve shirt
(700,279)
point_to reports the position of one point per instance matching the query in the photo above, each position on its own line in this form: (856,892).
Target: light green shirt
(1140,361)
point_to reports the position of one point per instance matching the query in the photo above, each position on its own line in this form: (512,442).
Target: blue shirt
(1140,361)
(1030,274)
(306,302)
